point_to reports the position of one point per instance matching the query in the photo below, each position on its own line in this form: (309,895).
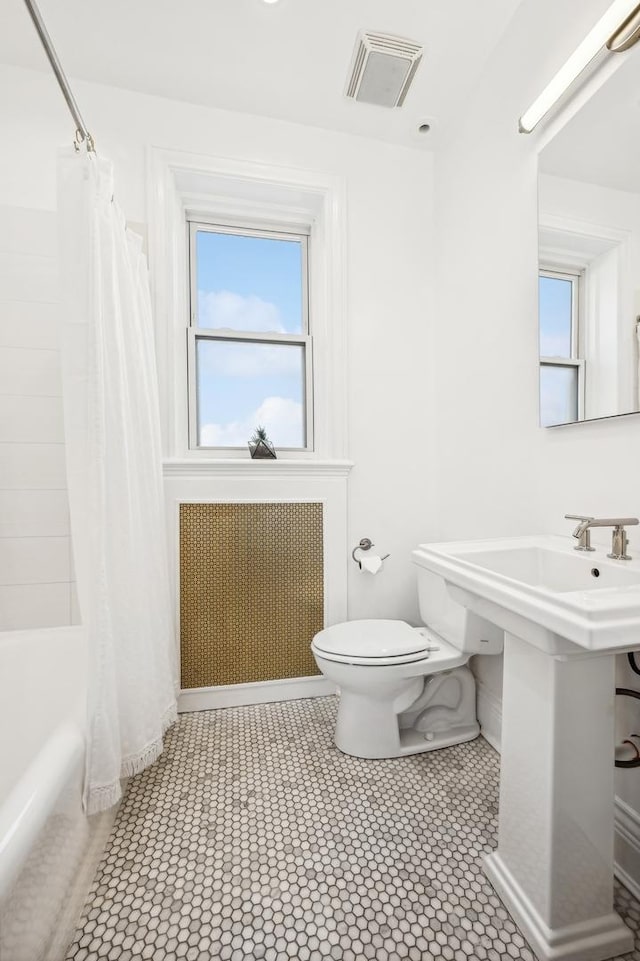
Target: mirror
(589,257)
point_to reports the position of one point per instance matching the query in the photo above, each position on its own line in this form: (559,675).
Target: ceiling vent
(383,68)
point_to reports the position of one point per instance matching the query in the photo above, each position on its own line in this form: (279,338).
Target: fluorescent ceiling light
(620,15)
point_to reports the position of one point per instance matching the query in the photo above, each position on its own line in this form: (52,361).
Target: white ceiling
(287,60)
(601,144)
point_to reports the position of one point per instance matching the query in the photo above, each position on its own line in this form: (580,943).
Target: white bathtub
(48,849)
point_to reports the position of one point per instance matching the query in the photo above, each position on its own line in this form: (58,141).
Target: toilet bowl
(404,689)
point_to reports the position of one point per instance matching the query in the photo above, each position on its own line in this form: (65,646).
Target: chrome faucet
(619,539)
(582,532)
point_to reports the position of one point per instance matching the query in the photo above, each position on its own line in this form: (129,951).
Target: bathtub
(48,848)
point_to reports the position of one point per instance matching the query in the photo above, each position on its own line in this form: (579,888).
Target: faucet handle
(619,544)
(619,539)
(578,517)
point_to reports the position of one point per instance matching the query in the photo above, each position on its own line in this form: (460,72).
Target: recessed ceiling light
(270,1)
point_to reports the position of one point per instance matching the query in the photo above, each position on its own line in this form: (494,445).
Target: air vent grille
(382,69)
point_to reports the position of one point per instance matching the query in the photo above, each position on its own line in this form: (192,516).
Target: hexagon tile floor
(254,838)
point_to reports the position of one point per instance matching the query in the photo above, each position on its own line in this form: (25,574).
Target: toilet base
(413,742)
(422,714)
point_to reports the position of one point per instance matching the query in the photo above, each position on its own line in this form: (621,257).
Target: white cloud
(281,416)
(235,359)
(225,309)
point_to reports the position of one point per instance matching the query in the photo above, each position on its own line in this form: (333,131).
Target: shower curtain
(114,477)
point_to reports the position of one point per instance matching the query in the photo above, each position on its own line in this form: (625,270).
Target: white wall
(501,473)
(495,476)
(389,275)
(35,566)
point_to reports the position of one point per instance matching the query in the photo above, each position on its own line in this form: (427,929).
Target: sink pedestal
(554,863)
(565,616)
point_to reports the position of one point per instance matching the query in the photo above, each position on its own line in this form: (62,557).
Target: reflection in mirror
(589,257)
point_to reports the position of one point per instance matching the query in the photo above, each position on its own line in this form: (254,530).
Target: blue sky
(249,283)
(555,317)
(257,267)
(558,395)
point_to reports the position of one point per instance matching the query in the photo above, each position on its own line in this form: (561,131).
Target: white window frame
(249,193)
(576,276)
(195,333)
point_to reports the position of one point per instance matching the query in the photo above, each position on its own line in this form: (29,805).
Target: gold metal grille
(251,591)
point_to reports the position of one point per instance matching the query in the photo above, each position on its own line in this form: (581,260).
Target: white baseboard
(257,692)
(627,847)
(489,711)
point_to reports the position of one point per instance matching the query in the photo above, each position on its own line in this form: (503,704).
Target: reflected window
(561,367)
(249,338)
(558,394)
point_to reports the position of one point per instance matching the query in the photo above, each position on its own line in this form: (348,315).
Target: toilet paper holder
(365,544)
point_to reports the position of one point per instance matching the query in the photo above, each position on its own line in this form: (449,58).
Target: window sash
(195,333)
(268,234)
(561,362)
(573,277)
(570,362)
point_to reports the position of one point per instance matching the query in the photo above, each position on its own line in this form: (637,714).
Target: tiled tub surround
(36,577)
(253,837)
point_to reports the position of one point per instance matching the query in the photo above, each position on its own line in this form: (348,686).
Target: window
(250,349)
(561,369)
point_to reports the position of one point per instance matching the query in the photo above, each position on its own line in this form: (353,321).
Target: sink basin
(543,590)
(553,569)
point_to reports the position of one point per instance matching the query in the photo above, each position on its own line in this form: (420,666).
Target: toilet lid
(372,639)
(398,659)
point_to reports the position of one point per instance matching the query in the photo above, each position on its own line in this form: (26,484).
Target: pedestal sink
(565,615)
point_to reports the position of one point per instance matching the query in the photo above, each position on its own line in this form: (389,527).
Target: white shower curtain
(114,476)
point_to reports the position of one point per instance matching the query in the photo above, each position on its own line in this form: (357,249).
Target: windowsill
(281,467)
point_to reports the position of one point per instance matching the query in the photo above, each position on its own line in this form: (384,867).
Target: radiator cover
(251,591)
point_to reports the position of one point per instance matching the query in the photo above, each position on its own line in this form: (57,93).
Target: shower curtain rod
(82,133)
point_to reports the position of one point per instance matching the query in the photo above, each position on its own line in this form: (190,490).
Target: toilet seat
(375,643)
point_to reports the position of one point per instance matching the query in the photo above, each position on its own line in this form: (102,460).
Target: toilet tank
(462,628)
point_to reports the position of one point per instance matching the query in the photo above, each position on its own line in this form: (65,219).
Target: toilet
(404,689)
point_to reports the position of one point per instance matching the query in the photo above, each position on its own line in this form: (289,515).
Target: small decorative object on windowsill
(260,446)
